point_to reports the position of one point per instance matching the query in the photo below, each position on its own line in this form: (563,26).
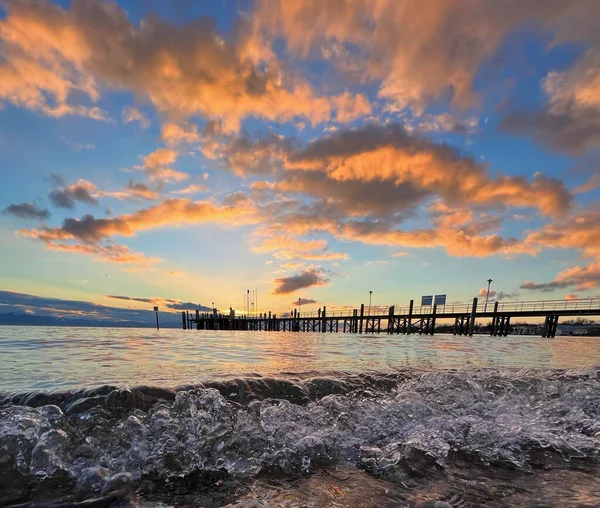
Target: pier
(398,319)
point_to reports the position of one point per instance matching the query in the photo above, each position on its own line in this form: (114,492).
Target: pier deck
(400,320)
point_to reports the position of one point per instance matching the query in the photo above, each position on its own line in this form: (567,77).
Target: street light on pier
(370,294)
(487,294)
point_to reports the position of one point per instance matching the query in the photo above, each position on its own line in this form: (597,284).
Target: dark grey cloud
(75,310)
(89,313)
(501,295)
(168,303)
(188,306)
(27,211)
(131,298)
(546,287)
(305,279)
(304,301)
(572,130)
(375,197)
(67,197)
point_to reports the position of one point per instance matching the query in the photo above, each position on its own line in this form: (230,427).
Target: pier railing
(455,308)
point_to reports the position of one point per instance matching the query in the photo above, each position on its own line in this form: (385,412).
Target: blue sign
(426,300)
(440,300)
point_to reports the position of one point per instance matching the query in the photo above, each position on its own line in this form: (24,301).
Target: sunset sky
(174,152)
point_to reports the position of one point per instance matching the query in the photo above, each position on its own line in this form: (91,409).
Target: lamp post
(370,294)
(156,310)
(299,303)
(487,294)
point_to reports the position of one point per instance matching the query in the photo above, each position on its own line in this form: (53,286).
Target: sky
(168,153)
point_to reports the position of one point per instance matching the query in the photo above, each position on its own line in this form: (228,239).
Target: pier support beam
(494,319)
(410,313)
(362,315)
(433,319)
(473,313)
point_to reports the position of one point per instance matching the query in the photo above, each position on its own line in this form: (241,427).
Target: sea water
(127,417)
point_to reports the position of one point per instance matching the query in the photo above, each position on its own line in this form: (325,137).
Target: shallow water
(48,358)
(277,419)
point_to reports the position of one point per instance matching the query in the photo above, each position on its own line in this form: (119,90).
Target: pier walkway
(400,319)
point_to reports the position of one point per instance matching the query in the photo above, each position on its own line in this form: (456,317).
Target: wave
(392,425)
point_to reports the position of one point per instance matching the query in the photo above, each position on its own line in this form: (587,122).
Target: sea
(103,417)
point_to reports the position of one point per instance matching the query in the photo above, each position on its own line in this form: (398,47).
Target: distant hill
(14,319)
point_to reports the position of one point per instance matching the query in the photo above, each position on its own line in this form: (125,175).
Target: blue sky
(190,151)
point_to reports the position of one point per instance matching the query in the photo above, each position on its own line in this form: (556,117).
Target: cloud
(483,293)
(27,211)
(164,303)
(497,295)
(112,253)
(400,254)
(171,212)
(307,278)
(389,154)
(68,196)
(131,114)
(87,312)
(173,134)
(155,166)
(435,55)
(191,189)
(285,247)
(140,190)
(303,301)
(570,120)
(187,70)
(580,231)
(571,297)
(506,296)
(592,184)
(160,157)
(544,287)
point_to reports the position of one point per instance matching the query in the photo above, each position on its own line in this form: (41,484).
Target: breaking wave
(394,426)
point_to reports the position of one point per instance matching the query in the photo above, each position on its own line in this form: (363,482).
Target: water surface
(125,417)
(44,358)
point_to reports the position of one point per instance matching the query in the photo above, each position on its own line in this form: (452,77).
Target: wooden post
(390,326)
(494,319)
(360,321)
(506,325)
(324,322)
(183,319)
(410,312)
(433,319)
(473,313)
(197,319)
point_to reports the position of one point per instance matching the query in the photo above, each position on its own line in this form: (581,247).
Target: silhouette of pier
(399,320)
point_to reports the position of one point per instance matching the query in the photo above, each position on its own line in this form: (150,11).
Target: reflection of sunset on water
(89,356)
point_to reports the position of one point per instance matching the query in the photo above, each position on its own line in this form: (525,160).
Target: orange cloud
(111,253)
(182,70)
(160,157)
(173,212)
(173,134)
(191,189)
(285,247)
(389,154)
(418,54)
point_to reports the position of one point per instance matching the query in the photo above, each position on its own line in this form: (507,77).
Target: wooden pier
(399,320)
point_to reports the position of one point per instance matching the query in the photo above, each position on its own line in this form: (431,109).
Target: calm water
(197,418)
(39,358)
